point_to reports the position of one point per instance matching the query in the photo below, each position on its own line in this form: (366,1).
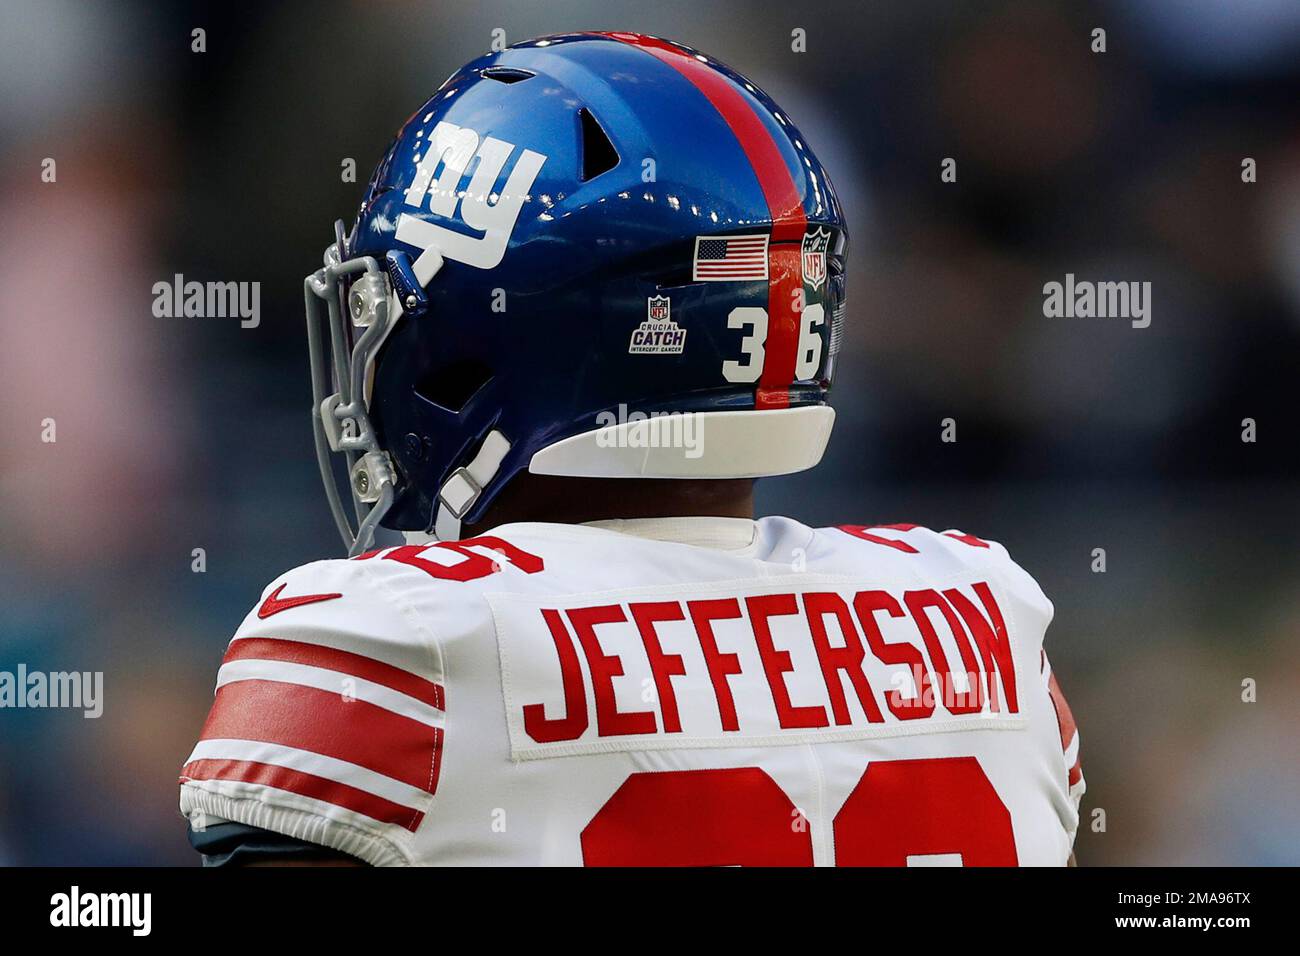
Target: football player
(595,288)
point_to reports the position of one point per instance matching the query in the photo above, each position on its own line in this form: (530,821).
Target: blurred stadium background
(1074,434)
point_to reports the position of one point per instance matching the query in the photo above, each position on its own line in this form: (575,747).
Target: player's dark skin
(575,500)
(531,497)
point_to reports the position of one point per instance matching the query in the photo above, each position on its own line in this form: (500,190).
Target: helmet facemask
(341,377)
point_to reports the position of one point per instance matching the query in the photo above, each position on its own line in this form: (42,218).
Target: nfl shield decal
(658,334)
(814,257)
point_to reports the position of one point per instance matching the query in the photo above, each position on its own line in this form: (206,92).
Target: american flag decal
(340,728)
(730,258)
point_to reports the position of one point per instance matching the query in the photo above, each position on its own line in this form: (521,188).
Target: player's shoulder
(933,555)
(401,593)
(384,574)
(328,714)
(338,614)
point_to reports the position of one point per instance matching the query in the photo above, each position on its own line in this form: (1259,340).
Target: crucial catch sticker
(658,334)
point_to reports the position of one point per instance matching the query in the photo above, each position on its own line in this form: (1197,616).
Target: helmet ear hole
(506,74)
(598,153)
(450,387)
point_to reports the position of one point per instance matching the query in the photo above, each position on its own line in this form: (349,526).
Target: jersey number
(754,344)
(901,813)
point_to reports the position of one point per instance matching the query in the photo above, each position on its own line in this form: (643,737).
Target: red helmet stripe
(784,282)
(785,208)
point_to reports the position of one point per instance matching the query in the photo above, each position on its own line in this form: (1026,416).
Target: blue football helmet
(579,250)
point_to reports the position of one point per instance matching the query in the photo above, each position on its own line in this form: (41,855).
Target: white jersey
(672,691)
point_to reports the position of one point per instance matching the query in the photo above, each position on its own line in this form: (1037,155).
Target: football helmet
(572,244)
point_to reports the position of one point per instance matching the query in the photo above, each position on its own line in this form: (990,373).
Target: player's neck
(576,500)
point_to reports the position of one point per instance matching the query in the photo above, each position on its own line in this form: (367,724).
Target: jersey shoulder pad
(988,554)
(328,716)
(352,604)
(951,555)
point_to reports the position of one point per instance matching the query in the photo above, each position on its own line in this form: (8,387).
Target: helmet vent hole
(598,153)
(506,74)
(452,386)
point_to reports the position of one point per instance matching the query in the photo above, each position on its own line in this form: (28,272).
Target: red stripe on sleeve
(1065,720)
(307,785)
(333,659)
(324,722)
(1063,715)
(1076,773)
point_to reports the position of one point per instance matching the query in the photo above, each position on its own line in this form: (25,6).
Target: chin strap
(463,487)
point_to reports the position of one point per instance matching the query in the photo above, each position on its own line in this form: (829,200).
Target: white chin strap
(462,489)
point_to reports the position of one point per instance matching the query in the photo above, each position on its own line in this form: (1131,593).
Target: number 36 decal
(753,345)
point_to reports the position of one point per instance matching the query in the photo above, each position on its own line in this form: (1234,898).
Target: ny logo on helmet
(483,207)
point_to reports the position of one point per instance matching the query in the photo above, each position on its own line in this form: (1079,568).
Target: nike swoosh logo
(273,604)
